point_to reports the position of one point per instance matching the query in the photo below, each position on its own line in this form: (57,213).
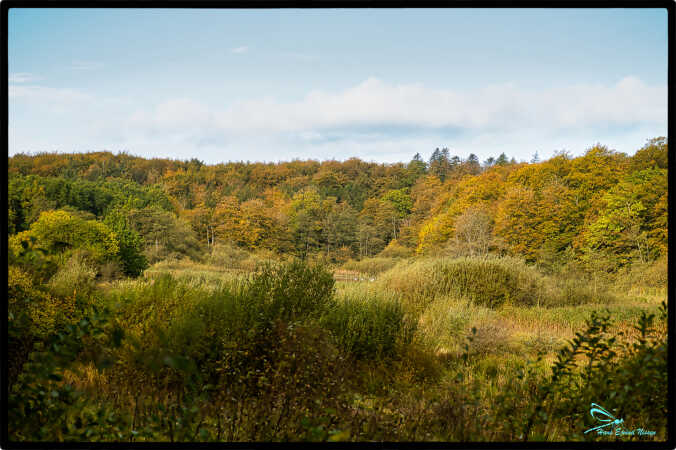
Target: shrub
(268,367)
(486,282)
(25,253)
(42,407)
(368,326)
(76,275)
(627,377)
(59,230)
(489,282)
(173,317)
(130,255)
(290,291)
(32,315)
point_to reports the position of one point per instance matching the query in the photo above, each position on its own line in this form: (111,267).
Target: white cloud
(376,103)
(21,77)
(374,120)
(242,49)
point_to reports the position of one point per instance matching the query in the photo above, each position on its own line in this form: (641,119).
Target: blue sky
(270,85)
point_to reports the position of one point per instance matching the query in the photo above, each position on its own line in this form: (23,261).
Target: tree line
(601,206)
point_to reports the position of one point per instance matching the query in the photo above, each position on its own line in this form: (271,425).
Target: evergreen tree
(502,160)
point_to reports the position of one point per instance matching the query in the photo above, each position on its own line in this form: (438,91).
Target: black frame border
(670,6)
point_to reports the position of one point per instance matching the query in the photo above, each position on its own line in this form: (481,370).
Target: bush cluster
(490,282)
(368,327)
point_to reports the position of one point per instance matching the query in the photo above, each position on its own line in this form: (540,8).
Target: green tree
(415,169)
(631,223)
(306,221)
(502,160)
(163,233)
(131,246)
(60,231)
(653,154)
(339,225)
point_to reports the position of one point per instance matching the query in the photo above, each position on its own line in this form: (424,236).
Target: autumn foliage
(439,300)
(602,202)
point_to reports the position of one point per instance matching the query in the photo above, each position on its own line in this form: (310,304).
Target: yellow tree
(59,231)
(228,222)
(482,191)
(256,225)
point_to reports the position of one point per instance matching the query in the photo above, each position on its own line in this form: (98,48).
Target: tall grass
(197,274)
(226,256)
(371,266)
(444,324)
(645,279)
(490,282)
(368,324)
(77,274)
(166,317)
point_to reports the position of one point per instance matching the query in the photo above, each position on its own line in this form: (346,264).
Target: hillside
(602,205)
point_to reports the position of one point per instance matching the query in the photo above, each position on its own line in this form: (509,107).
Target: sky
(378,84)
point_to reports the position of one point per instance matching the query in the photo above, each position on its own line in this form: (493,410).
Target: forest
(441,299)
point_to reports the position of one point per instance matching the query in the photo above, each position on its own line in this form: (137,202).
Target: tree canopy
(602,201)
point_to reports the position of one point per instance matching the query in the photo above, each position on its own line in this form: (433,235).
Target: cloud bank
(384,121)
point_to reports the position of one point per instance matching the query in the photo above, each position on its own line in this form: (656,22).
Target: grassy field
(439,349)
(431,349)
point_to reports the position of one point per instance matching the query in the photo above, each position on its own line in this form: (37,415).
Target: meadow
(428,349)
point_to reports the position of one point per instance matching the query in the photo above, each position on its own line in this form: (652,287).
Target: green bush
(33,314)
(58,231)
(626,376)
(32,258)
(43,407)
(210,327)
(369,326)
(76,275)
(290,291)
(130,254)
(487,282)
(248,339)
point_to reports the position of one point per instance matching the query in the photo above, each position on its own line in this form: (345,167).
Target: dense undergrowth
(490,282)
(433,349)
